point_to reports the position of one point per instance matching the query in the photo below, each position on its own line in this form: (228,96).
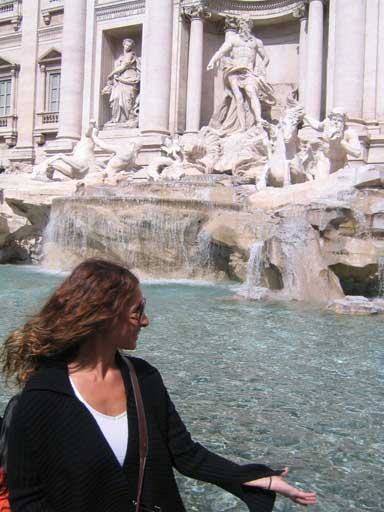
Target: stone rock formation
(356,305)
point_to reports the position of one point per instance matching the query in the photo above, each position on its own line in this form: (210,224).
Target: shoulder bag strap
(143,432)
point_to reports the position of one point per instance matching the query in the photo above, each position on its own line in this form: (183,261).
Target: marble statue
(75,166)
(123,156)
(285,166)
(338,142)
(180,159)
(245,86)
(123,85)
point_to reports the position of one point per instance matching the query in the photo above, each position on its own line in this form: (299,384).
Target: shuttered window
(54,92)
(5,97)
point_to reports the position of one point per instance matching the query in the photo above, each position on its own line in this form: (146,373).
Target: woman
(123,85)
(73,439)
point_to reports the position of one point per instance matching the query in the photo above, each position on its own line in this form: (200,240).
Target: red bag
(4,501)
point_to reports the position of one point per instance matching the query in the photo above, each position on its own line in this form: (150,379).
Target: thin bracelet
(270,483)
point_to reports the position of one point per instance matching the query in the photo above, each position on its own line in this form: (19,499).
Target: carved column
(196,16)
(349,56)
(27,81)
(72,70)
(157,63)
(380,66)
(302,14)
(314,67)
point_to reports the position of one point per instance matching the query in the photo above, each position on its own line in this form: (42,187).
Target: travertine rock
(355,305)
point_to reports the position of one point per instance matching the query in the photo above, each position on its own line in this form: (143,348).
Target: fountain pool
(281,384)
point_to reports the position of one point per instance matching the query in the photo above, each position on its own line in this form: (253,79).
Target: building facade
(57,57)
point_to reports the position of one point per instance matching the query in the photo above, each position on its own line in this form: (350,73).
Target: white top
(114,428)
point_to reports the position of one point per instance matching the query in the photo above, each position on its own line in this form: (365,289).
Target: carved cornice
(197,11)
(11,40)
(301,12)
(255,8)
(120,9)
(50,33)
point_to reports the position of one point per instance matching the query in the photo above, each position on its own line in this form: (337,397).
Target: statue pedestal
(59,146)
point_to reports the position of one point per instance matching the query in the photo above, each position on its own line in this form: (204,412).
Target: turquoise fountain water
(281,384)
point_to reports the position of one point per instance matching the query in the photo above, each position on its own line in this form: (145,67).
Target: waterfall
(381,276)
(252,287)
(158,239)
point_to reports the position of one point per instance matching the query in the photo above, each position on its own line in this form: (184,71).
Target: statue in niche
(337,142)
(123,86)
(75,166)
(245,86)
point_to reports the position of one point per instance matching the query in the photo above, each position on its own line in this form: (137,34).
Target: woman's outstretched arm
(281,486)
(194,460)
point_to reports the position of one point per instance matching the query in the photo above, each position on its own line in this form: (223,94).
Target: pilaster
(195,15)
(157,62)
(350,56)
(27,82)
(302,14)
(380,67)
(314,58)
(72,71)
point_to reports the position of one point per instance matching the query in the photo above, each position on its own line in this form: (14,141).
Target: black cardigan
(59,461)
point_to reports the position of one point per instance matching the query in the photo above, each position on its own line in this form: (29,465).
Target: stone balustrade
(10,12)
(48,118)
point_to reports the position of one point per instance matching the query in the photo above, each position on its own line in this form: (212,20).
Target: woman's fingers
(281,486)
(304,498)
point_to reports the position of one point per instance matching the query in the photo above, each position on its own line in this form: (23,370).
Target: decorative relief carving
(256,8)
(301,11)
(50,33)
(11,40)
(120,9)
(231,23)
(195,12)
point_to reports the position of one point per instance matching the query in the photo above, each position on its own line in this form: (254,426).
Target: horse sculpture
(285,167)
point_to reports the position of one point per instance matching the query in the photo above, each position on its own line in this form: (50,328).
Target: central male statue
(244,81)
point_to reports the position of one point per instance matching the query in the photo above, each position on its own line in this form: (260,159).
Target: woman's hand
(279,485)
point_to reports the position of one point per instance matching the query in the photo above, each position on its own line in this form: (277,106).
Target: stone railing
(10,12)
(7,123)
(48,123)
(48,118)
(8,130)
(8,9)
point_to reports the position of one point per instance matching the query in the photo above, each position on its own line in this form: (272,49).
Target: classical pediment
(6,65)
(52,56)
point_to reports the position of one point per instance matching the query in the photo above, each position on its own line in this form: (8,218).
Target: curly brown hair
(96,292)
